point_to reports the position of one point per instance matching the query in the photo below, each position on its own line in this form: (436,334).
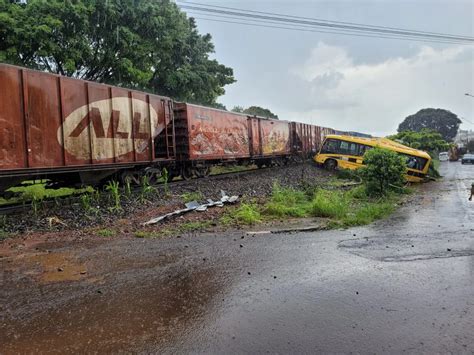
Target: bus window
(330,146)
(353,148)
(363,149)
(349,148)
(344,148)
(416,163)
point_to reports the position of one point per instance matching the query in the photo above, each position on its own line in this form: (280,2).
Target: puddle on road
(57,267)
(141,312)
(49,267)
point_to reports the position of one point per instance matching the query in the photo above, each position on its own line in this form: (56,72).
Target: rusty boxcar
(77,130)
(307,138)
(207,136)
(74,132)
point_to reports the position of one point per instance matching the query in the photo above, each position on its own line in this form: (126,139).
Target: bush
(383,170)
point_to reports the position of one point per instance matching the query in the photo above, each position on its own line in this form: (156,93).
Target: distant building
(463,137)
(21,2)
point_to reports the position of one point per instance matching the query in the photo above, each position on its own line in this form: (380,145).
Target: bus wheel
(330,164)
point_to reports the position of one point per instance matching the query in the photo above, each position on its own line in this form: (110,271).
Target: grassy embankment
(342,208)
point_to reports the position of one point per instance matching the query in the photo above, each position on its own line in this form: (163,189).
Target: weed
(148,234)
(192,226)
(216,170)
(113,187)
(36,204)
(247,213)
(367,213)
(357,193)
(165,176)
(348,174)
(287,202)
(3,221)
(128,188)
(332,204)
(87,200)
(192,196)
(4,235)
(106,232)
(145,188)
(29,190)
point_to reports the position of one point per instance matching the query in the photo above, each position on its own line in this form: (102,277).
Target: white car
(443,156)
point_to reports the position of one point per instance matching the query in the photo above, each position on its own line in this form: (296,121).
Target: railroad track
(27,205)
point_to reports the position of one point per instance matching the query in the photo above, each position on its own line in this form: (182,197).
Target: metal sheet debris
(196,206)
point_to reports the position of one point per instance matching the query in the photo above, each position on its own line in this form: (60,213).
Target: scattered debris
(196,206)
(54,221)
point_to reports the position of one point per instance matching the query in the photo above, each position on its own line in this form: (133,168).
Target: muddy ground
(404,284)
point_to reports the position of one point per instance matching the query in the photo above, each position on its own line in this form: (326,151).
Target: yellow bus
(347,152)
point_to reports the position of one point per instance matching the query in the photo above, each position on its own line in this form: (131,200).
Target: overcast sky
(347,82)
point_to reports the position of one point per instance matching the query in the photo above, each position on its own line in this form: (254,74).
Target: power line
(323,20)
(309,29)
(291,20)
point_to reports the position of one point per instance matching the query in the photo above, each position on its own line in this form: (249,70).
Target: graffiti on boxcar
(212,140)
(275,138)
(116,127)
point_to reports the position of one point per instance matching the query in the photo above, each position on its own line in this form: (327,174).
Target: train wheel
(130,177)
(153,175)
(279,162)
(202,172)
(186,173)
(260,164)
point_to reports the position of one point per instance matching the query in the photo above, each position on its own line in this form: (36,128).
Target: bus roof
(382,143)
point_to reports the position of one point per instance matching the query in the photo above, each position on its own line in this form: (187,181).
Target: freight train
(74,132)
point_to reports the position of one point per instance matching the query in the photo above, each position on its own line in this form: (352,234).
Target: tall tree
(426,139)
(143,44)
(443,121)
(255,111)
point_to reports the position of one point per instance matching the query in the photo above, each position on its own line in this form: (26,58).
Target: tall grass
(247,213)
(287,202)
(331,204)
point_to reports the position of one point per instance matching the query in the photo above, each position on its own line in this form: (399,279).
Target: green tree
(238,109)
(426,139)
(383,170)
(439,120)
(255,111)
(143,44)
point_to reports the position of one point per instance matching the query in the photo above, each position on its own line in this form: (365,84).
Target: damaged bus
(347,152)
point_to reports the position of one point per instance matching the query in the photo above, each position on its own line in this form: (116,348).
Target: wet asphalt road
(405,284)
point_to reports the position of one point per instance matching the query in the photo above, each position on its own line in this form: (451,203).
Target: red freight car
(77,132)
(307,139)
(53,125)
(207,136)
